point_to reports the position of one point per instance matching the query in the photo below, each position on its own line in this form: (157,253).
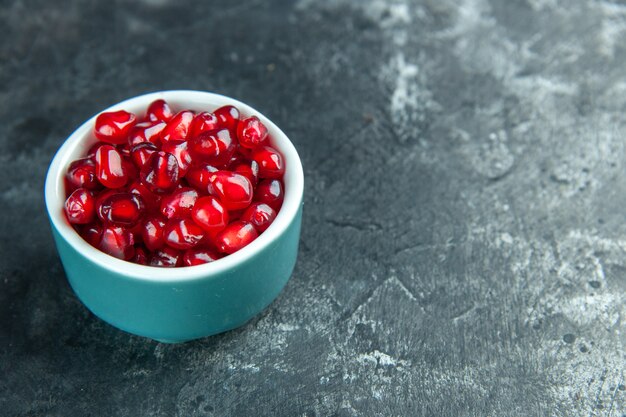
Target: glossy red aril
(182,233)
(203,122)
(151,200)
(179,203)
(141,256)
(178,128)
(270,162)
(113,127)
(122,209)
(92,233)
(180,149)
(210,214)
(227,117)
(117,241)
(235,236)
(165,258)
(159,111)
(160,173)
(249,169)
(80,207)
(233,190)
(215,147)
(199,176)
(152,233)
(260,215)
(199,256)
(141,152)
(270,192)
(146,132)
(110,167)
(251,132)
(82,173)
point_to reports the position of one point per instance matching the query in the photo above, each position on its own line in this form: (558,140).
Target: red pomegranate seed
(251,132)
(151,200)
(179,203)
(270,192)
(146,132)
(152,233)
(235,236)
(113,127)
(270,162)
(203,122)
(165,258)
(141,152)
(260,215)
(122,209)
(82,173)
(249,169)
(141,256)
(178,127)
(80,207)
(92,233)
(182,233)
(199,176)
(181,152)
(233,190)
(117,241)
(131,170)
(210,214)
(159,111)
(160,173)
(215,147)
(227,117)
(109,167)
(91,153)
(199,256)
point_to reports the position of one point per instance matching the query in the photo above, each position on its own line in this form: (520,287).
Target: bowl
(178,304)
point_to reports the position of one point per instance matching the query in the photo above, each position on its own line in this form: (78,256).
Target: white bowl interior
(79,142)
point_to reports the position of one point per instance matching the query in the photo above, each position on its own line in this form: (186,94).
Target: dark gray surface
(464,239)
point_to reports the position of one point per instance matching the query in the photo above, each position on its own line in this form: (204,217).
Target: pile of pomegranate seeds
(175,189)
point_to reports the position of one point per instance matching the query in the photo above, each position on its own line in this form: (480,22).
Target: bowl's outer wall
(190,309)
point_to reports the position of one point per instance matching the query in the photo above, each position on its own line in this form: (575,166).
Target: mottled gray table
(464,239)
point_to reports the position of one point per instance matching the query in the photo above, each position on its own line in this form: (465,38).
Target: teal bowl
(178,304)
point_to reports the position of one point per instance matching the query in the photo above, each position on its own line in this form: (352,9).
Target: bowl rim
(54,191)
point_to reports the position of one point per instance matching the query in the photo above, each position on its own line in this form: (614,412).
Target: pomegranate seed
(141,256)
(159,111)
(179,204)
(160,173)
(233,190)
(228,117)
(113,127)
(203,122)
(199,256)
(122,209)
(82,173)
(146,132)
(80,207)
(270,192)
(210,214)
(181,152)
(152,233)
(151,200)
(260,215)
(91,153)
(178,127)
(117,241)
(270,162)
(182,233)
(109,167)
(165,258)
(131,170)
(141,152)
(235,236)
(92,233)
(215,147)
(249,169)
(251,132)
(199,176)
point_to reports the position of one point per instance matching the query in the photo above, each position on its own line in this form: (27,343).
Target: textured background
(464,244)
